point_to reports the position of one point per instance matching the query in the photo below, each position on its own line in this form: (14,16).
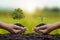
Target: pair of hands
(17,29)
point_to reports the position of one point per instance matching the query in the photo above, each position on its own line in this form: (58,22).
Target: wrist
(56,25)
(3,25)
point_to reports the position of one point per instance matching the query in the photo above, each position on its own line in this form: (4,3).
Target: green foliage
(50,12)
(55,9)
(17,14)
(30,22)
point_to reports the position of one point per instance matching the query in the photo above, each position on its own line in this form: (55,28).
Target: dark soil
(40,25)
(31,36)
(19,24)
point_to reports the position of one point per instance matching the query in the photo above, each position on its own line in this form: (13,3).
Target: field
(29,22)
(47,16)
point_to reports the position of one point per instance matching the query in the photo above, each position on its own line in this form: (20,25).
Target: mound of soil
(40,25)
(18,24)
(31,36)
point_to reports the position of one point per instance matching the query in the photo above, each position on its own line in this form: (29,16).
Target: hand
(45,28)
(14,28)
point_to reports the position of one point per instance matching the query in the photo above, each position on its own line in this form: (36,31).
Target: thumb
(41,28)
(18,27)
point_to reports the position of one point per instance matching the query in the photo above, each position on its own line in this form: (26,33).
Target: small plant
(17,14)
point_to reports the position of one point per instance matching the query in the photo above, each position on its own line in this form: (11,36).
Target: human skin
(12,28)
(47,28)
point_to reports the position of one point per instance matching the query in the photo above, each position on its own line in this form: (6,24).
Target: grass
(29,22)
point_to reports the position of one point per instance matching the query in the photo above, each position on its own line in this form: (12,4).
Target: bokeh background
(30,13)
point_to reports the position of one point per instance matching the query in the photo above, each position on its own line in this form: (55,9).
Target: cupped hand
(14,28)
(44,29)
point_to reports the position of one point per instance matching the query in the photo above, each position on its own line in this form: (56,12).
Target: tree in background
(17,14)
(5,13)
(51,12)
(55,9)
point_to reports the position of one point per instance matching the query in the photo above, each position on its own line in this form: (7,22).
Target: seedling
(17,15)
(39,25)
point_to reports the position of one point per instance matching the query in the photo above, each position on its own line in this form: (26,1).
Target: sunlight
(30,9)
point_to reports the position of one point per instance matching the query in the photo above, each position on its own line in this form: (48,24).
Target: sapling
(41,24)
(17,15)
(42,21)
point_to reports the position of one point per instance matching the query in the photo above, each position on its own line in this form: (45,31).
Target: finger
(44,26)
(25,28)
(33,28)
(16,31)
(18,28)
(38,28)
(44,31)
(41,27)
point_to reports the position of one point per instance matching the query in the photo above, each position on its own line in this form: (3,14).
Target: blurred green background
(46,15)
